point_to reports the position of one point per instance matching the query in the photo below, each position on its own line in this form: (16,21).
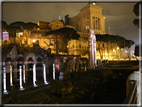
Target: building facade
(89,17)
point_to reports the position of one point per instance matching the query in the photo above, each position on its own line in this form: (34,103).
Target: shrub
(106,73)
(56,87)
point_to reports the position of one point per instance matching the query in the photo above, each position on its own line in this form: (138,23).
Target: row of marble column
(20,76)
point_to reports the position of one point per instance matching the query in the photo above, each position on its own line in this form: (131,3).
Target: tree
(29,27)
(120,41)
(18,24)
(12,30)
(65,34)
(137,47)
(4,24)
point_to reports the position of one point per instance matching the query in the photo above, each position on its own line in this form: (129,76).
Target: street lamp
(33,40)
(117,48)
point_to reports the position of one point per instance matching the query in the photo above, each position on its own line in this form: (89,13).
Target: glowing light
(67,46)
(5,36)
(94,3)
(113,50)
(20,76)
(4,80)
(11,76)
(117,48)
(44,74)
(33,40)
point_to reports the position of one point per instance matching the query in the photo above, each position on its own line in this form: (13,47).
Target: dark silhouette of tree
(18,24)
(120,41)
(137,50)
(63,34)
(128,43)
(4,24)
(12,30)
(30,26)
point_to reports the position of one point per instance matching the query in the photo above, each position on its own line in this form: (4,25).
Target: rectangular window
(103,45)
(79,46)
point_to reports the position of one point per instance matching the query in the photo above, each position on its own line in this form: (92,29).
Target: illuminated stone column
(34,75)
(92,49)
(20,77)
(24,73)
(44,74)
(11,76)
(15,72)
(53,71)
(4,81)
(94,45)
(85,67)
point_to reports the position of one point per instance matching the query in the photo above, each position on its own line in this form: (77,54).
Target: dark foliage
(137,50)
(121,41)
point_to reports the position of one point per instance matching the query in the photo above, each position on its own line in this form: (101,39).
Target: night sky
(119,16)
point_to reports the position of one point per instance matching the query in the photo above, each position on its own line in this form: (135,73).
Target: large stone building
(89,17)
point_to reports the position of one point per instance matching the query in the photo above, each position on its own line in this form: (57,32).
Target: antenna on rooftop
(59,17)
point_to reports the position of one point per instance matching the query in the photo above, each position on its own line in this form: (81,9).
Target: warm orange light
(33,40)
(117,48)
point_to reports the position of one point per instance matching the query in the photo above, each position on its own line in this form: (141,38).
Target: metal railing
(132,94)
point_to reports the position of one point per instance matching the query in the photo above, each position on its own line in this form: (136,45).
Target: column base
(5,92)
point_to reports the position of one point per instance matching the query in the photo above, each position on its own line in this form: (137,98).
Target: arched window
(30,59)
